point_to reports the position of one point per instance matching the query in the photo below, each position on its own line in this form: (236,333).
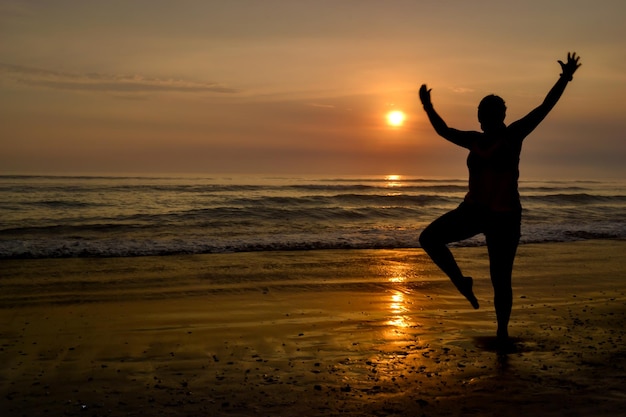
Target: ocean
(114,216)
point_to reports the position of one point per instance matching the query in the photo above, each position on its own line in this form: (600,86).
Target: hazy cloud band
(106,82)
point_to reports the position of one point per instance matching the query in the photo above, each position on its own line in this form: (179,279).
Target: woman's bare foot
(464,286)
(504,343)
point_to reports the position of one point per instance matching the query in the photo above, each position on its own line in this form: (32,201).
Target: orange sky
(286,87)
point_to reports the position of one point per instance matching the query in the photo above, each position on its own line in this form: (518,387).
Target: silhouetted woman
(492,204)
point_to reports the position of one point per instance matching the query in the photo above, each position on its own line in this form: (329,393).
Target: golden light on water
(397,307)
(393,180)
(399,297)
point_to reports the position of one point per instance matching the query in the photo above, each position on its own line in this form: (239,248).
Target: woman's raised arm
(458,137)
(529,122)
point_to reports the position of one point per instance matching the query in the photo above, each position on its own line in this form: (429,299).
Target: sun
(395,118)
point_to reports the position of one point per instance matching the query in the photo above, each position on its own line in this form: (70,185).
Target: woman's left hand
(571,66)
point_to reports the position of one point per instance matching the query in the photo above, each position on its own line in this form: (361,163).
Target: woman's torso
(493,164)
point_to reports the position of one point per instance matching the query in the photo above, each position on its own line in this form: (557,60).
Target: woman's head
(491,112)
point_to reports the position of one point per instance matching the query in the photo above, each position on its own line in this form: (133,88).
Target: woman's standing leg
(503,234)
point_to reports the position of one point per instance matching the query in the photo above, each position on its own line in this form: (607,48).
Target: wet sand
(322,333)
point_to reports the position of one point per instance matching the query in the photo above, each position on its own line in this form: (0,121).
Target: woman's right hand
(425,96)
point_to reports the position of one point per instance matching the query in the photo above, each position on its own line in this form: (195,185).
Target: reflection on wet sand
(400,300)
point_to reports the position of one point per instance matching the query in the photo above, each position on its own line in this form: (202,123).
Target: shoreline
(341,332)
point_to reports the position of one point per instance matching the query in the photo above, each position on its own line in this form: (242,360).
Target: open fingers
(572,59)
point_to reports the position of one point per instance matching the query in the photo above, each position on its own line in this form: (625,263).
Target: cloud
(97,82)
(462,90)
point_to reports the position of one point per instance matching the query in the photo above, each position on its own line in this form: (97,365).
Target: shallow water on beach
(53,216)
(315,333)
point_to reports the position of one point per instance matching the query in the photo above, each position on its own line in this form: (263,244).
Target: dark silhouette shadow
(502,348)
(492,204)
(496,345)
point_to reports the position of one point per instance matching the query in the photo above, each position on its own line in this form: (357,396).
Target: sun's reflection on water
(393,181)
(398,309)
(399,301)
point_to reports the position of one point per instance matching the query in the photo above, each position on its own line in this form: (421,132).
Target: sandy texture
(325,333)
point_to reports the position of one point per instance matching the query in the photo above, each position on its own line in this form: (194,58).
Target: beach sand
(320,333)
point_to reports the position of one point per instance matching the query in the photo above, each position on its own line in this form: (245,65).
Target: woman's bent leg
(453,226)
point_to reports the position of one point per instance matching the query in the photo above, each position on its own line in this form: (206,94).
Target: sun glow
(395,118)
(393,181)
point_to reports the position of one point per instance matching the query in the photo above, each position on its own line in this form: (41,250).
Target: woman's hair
(492,108)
